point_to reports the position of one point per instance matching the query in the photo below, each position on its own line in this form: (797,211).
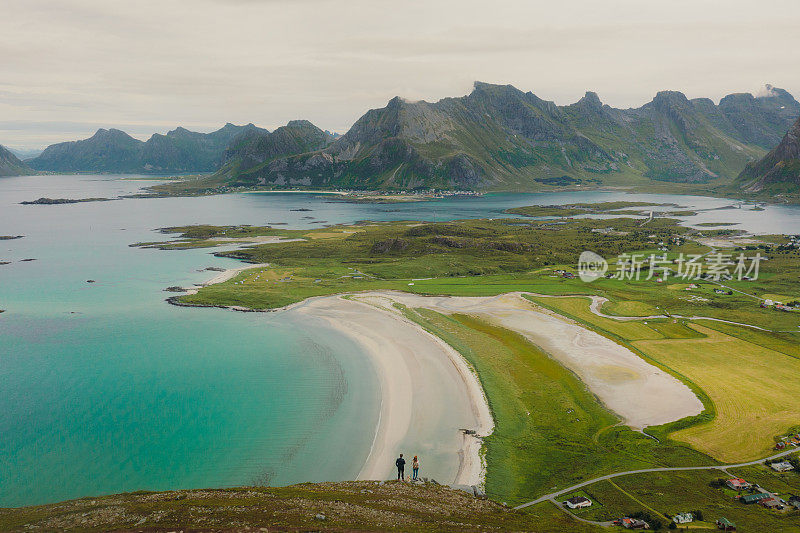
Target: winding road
(553,495)
(595,306)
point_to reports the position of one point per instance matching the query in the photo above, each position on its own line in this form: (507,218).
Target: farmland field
(754,390)
(550,431)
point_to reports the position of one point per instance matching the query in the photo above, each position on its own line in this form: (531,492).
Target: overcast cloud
(68,67)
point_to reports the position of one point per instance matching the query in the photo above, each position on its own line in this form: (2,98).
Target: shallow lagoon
(105,388)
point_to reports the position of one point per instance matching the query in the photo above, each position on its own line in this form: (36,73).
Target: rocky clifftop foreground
(10,165)
(346,506)
(778,173)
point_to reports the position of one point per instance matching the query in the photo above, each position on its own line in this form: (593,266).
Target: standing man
(401,467)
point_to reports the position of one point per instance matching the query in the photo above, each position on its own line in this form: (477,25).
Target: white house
(785,466)
(683,518)
(578,502)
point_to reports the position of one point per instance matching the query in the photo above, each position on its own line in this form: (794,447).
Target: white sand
(728,242)
(640,393)
(259,239)
(428,393)
(226,275)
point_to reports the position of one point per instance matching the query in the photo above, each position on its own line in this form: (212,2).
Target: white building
(578,502)
(683,518)
(785,466)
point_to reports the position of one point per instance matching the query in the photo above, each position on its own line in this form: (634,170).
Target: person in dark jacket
(401,467)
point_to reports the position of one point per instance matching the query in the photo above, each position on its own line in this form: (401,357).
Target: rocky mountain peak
(395,103)
(670,98)
(179,131)
(591,101)
(300,124)
(789,148)
(779,170)
(113,134)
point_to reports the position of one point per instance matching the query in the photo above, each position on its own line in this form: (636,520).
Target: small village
(743,491)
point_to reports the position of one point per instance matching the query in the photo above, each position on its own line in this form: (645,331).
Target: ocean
(105,388)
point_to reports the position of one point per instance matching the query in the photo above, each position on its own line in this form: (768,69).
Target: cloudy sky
(68,67)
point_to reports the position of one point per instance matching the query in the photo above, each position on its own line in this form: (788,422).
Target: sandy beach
(429,393)
(225,275)
(640,393)
(259,239)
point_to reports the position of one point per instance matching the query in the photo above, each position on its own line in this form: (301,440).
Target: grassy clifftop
(345,506)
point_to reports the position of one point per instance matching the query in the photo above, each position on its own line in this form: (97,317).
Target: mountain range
(499,137)
(251,151)
(10,165)
(112,150)
(778,173)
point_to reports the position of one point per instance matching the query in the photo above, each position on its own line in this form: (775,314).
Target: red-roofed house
(633,523)
(738,483)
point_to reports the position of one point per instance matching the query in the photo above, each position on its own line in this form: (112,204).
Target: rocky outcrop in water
(58,201)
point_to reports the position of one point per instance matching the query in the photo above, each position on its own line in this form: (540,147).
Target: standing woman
(415,468)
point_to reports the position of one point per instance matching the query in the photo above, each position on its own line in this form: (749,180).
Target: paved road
(553,495)
(598,301)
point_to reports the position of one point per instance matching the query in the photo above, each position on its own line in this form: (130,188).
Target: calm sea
(104,388)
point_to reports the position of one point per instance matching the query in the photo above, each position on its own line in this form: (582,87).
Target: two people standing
(400,463)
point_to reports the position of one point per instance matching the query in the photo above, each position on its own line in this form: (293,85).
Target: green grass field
(676,492)
(754,390)
(722,365)
(550,431)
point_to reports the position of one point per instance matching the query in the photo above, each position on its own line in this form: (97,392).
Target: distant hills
(253,150)
(113,150)
(778,173)
(499,137)
(10,165)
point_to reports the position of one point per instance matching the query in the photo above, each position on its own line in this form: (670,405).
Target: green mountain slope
(10,165)
(113,150)
(779,171)
(252,150)
(499,137)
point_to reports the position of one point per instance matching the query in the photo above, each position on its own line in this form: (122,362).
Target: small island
(59,201)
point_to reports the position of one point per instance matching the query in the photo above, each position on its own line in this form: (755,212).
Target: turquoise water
(105,388)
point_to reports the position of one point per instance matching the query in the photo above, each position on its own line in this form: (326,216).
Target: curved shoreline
(412,364)
(429,394)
